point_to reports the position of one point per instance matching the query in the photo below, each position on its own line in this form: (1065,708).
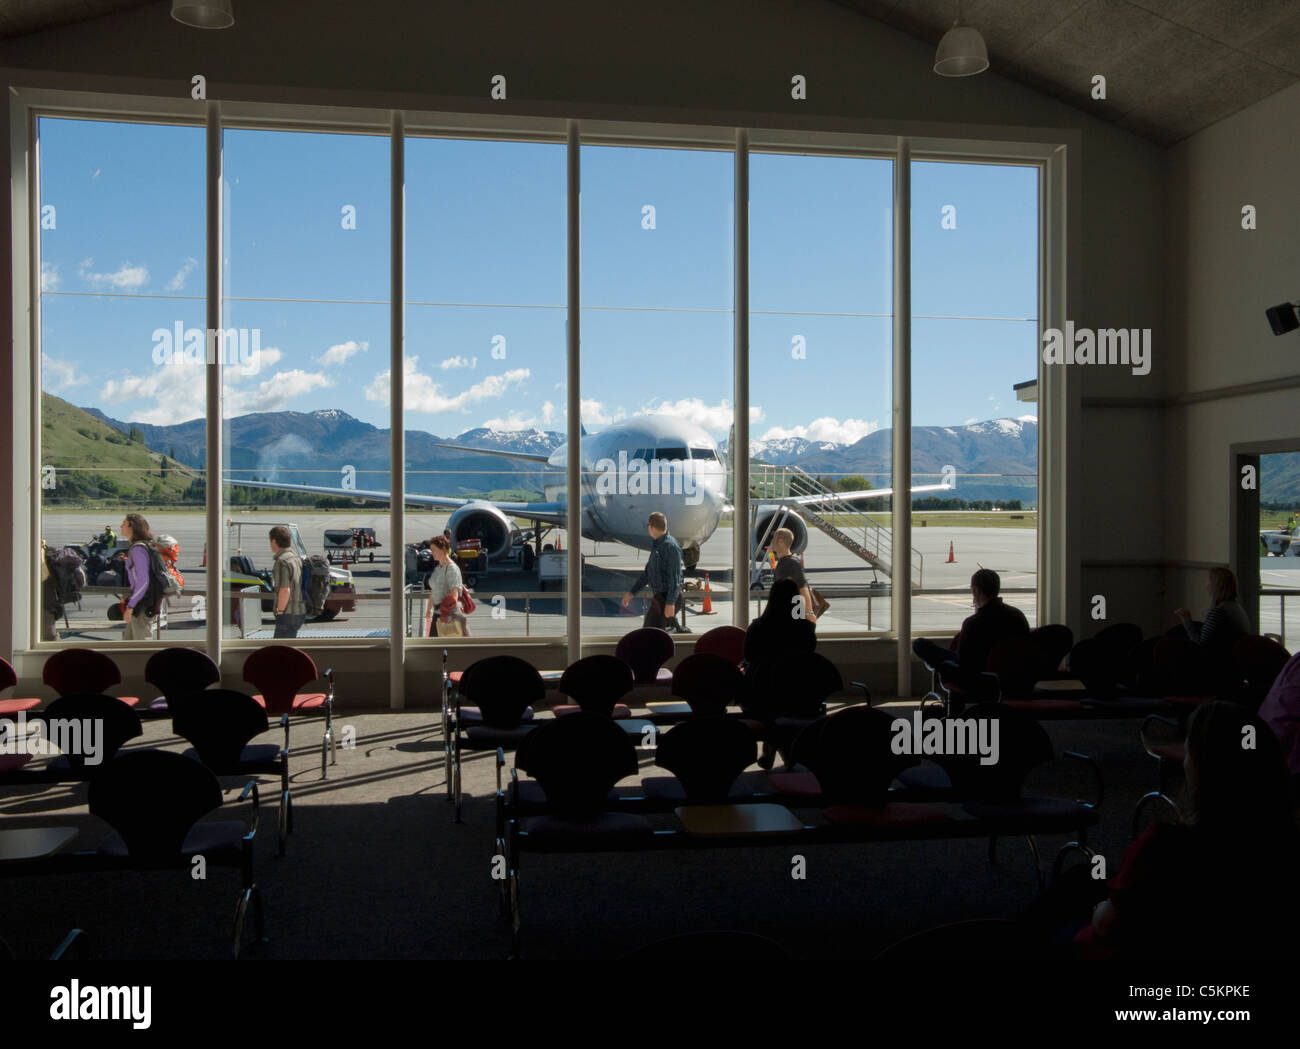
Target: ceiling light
(204,14)
(961,52)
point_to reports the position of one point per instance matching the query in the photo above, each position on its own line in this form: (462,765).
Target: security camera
(1283,319)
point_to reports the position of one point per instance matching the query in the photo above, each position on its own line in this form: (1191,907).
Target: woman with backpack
(137,614)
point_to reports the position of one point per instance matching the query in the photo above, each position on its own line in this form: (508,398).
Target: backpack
(160,581)
(315,583)
(68,571)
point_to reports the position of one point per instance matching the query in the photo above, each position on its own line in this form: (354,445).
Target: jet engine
(484,522)
(771,515)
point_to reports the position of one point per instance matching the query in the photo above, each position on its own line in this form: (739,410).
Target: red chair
(278,672)
(8,679)
(83,671)
(646,651)
(725,641)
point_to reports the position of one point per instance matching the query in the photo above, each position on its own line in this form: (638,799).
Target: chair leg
(1065,850)
(1038,864)
(284,821)
(324,754)
(516,915)
(241,912)
(456,797)
(1156,795)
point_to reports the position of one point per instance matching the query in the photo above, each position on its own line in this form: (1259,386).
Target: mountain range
(995,459)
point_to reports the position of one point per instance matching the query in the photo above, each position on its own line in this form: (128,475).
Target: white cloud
(60,375)
(182,274)
(275,393)
(50,279)
(263,358)
(514,420)
(548,412)
(125,278)
(176,387)
(339,354)
(715,417)
(424,395)
(826,428)
(972,419)
(459,362)
(594,413)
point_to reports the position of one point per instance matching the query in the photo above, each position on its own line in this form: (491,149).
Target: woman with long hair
(137,616)
(445,585)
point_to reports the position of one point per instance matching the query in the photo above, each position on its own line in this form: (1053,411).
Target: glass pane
(974,340)
(486,308)
(657,381)
(1279,541)
(306,430)
(821,377)
(122,404)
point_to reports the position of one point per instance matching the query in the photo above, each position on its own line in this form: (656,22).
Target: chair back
(851,754)
(1121,637)
(1052,643)
(278,673)
(707,754)
(74,671)
(1022,744)
(69,717)
(708,683)
(596,683)
(1015,662)
(725,641)
(219,723)
(800,685)
(645,650)
(502,687)
(152,798)
(1098,666)
(179,671)
(577,760)
(8,676)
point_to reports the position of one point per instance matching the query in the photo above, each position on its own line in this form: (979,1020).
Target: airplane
(629,469)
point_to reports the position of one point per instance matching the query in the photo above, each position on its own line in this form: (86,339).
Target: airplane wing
(527,457)
(545,513)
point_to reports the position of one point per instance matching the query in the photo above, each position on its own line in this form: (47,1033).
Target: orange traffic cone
(707,610)
(559,545)
(952,560)
(205,556)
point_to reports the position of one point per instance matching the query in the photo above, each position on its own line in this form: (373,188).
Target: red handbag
(467,604)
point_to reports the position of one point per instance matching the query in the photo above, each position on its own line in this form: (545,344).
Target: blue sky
(486,270)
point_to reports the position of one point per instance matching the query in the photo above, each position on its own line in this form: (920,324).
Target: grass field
(1272,519)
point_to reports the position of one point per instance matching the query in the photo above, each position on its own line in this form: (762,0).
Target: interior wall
(729,61)
(1223,277)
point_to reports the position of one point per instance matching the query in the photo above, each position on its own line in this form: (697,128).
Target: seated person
(1221,885)
(775,637)
(1224,622)
(1281,712)
(994,620)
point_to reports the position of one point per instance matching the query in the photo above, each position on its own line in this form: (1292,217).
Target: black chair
(65,721)
(155,801)
(1052,643)
(176,671)
(502,688)
(220,723)
(81,671)
(706,755)
(1259,660)
(708,683)
(596,684)
(800,687)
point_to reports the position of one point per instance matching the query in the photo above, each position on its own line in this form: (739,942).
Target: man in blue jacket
(663,574)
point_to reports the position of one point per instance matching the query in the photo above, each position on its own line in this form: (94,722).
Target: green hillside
(96,464)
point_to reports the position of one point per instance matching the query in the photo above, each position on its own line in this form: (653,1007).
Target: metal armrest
(1096,772)
(251,788)
(329,696)
(77,938)
(501,763)
(1159,719)
(866,692)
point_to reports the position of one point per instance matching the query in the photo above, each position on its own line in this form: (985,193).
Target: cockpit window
(671,453)
(704,453)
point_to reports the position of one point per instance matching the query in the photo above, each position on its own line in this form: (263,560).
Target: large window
(657,338)
(974,341)
(306,306)
(485,359)
(306,383)
(121,227)
(821,378)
